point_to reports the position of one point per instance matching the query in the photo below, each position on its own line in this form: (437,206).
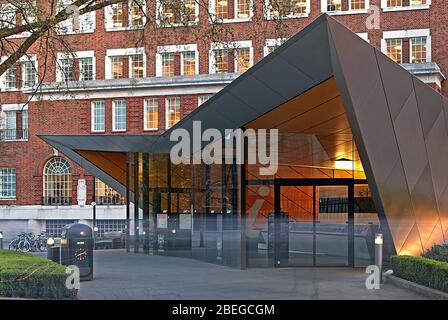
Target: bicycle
(40,242)
(24,244)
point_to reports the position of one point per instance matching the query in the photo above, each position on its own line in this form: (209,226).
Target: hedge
(27,276)
(427,272)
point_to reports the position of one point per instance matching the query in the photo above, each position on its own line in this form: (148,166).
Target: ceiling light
(344,164)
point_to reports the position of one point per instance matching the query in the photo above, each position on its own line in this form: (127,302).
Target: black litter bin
(77,248)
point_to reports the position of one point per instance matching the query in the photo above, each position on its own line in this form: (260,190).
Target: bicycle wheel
(42,246)
(24,246)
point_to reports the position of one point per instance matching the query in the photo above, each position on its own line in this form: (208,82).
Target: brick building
(114,81)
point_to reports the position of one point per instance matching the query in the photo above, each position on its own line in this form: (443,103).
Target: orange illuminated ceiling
(313,129)
(113,163)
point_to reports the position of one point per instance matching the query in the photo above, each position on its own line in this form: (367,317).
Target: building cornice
(196,84)
(428,72)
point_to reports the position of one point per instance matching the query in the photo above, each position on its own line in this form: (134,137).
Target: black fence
(57,201)
(110,200)
(338,205)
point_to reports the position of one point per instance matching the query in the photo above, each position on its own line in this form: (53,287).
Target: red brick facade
(74,116)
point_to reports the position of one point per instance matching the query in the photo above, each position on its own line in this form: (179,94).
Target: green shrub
(27,276)
(427,272)
(438,252)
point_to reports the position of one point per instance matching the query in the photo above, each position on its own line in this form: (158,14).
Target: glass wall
(188,210)
(315,208)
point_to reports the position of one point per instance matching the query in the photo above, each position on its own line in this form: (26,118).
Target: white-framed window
(75,66)
(151,114)
(136,66)
(98,116)
(287,8)
(172,13)
(119,115)
(401,5)
(125,15)
(10,78)
(111,225)
(394,49)
(12,16)
(407,46)
(137,13)
(173,114)
(203,99)
(8,16)
(177,60)
(30,73)
(117,67)
(23,74)
(83,24)
(125,63)
(418,50)
(14,122)
(231,10)
(53,228)
(8,183)
(106,195)
(345,6)
(231,57)
(57,182)
(86,69)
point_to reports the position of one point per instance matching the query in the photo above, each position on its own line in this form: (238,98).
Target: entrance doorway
(313,223)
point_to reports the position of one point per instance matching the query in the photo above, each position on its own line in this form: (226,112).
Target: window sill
(20,35)
(16,89)
(8,199)
(14,140)
(119,131)
(71,33)
(9,90)
(408,8)
(290,16)
(348,12)
(235,20)
(178,25)
(115,29)
(97,132)
(151,129)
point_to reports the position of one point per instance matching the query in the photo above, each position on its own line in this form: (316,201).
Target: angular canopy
(399,125)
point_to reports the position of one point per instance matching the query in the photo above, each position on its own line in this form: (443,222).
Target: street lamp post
(379,254)
(95,228)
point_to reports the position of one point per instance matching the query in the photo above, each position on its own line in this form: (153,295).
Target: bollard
(379,254)
(1,240)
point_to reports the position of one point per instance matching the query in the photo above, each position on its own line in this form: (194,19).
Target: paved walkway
(137,276)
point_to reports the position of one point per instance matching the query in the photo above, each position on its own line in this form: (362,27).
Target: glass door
(312,224)
(332,226)
(296,226)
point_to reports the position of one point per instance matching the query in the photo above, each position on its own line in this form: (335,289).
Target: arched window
(57,182)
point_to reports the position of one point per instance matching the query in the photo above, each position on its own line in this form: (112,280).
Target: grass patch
(427,272)
(27,276)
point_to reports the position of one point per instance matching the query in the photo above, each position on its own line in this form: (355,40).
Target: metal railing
(110,200)
(13,134)
(56,201)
